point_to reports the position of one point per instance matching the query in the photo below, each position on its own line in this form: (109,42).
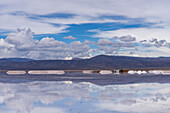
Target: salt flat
(96,78)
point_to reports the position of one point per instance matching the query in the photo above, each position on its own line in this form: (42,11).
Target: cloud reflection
(68,97)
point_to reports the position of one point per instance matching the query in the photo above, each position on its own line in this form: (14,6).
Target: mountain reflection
(68,97)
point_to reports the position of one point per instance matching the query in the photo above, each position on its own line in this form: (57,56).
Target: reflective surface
(84,97)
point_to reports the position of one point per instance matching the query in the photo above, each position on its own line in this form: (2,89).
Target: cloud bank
(23,44)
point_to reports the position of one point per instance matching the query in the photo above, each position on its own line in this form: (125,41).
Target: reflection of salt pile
(105,72)
(15,72)
(47,72)
(68,82)
(87,71)
(156,71)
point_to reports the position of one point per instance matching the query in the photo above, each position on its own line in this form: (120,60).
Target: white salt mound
(87,71)
(132,72)
(16,72)
(166,72)
(144,72)
(116,72)
(137,72)
(156,71)
(105,72)
(141,72)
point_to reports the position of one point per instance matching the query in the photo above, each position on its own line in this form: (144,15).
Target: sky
(66,29)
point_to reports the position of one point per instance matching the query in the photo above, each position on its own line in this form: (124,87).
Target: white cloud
(11,22)
(139,33)
(80,20)
(48,110)
(70,37)
(50,42)
(22,44)
(108,50)
(22,38)
(127,38)
(114,45)
(88,42)
(88,7)
(153,11)
(104,42)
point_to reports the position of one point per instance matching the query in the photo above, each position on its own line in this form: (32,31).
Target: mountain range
(94,63)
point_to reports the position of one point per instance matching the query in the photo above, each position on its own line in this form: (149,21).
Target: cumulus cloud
(158,43)
(22,39)
(155,42)
(108,50)
(50,42)
(127,38)
(23,44)
(115,44)
(139,33)
(146,46)
(104,42)
(126,45)
(143,41)
(70,37)
(132,52)
(88,42)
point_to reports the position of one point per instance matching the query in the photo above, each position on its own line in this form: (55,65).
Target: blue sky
(67,29)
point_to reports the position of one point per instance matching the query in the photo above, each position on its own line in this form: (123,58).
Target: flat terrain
(98,79)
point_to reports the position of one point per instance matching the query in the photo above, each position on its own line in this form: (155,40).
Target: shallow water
(83,97)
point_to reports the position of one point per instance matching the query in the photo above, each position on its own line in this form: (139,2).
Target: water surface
(83,97)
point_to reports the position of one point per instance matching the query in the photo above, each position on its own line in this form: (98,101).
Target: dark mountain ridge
(15,60)
(95,63)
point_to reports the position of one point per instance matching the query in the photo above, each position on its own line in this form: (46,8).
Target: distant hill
(98,62)
(15,60)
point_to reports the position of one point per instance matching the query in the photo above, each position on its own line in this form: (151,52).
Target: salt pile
(136,72)
(166,72)
(47,72)
(87,71)
(156,71)
(16,72)
(105,72)
(132,72)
